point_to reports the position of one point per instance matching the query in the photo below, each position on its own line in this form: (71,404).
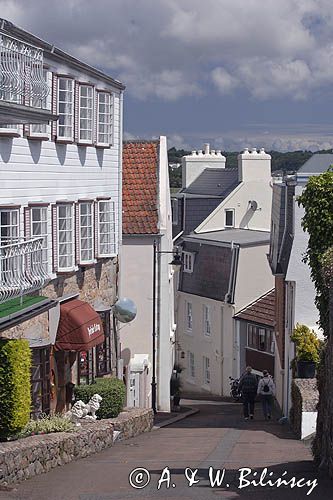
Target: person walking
(248,387)
(266,390)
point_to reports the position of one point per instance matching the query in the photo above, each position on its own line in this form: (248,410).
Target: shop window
(104,350)
(40,381)
(85,364)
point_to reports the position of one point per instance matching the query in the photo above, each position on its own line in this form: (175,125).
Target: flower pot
(306,369)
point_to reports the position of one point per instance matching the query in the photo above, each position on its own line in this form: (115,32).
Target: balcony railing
(21,71)
(22,269)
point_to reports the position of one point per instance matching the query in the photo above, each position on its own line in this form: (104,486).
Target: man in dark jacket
(248,387)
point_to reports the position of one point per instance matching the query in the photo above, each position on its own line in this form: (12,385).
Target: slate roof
(242,237)
(214,182)
(140,187)
(260,311)
(317,164)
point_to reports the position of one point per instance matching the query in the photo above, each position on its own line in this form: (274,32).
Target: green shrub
(111,390)
(15,395)
(307,344)
(47,424)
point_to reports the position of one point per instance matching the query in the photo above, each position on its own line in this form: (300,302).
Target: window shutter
(96,229)
(77,232)
(27,223)
(76,112)
(55,238)
(54,105)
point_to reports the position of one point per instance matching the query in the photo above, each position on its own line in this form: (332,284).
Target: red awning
(80,327)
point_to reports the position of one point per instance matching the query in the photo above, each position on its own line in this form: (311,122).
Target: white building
(147,219)
(60,210)
(223,222)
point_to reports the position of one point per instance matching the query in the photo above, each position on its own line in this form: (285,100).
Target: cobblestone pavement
(216,437)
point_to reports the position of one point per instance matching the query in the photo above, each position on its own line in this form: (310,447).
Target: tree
(317,200)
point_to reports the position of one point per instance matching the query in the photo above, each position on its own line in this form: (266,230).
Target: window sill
(36,137)
(9,133)
(85,144)
(63,141)
(102,146)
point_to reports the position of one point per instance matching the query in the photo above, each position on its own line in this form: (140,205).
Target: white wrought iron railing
(21,71)
(22,269)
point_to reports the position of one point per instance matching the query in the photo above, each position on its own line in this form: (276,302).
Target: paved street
(216,437)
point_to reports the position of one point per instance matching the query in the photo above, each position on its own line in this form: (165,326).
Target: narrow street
(216,437)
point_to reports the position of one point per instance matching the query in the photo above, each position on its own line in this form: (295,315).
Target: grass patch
(14,305)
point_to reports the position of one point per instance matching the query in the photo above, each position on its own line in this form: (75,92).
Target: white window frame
(108,122)
(111,232)
(44,222)
(190,365)
(71,102)
(228,210)
(188,262)
(206,371)
(207,321)
(82,227)
(46,103)
(14,229)
(189,315)
(71,239)
(9,96)
(87,108)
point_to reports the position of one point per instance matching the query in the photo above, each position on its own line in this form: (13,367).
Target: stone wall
(35,455)
(303,414)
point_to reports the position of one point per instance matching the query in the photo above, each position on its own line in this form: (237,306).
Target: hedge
(15,395)
(111,390)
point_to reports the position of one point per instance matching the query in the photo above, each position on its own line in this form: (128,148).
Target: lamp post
(176,264)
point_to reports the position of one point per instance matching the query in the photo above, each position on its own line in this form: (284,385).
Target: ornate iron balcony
(22,270)
(21,71)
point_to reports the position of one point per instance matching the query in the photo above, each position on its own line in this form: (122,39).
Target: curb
(175,419)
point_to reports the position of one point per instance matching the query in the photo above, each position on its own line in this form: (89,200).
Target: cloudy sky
(233,72)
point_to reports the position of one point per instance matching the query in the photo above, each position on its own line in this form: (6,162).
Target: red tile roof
(140,193)
(261,311)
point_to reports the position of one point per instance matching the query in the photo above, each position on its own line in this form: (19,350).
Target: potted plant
(307,351)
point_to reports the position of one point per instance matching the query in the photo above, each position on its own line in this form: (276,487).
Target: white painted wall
(254,276)
(193,165)
(254,172)
(309,423)
(137,284)
(305,310)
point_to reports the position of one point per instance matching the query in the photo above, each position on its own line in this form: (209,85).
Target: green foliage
(317,200)
(308,346)
(47,424)
(112,391)
(15,396)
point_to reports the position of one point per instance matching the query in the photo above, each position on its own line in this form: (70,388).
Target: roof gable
(261,311)
(140,187)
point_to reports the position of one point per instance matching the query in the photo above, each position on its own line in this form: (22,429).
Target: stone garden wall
(35,455)
(303,415)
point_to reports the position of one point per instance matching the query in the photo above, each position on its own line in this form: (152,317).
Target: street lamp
(176,265)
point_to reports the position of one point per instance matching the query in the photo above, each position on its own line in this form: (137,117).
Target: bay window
(86,114)
(104,119)
(106,228)
(65,108)
(86,243)
(65,237)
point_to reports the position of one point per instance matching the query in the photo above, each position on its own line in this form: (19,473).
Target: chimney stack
(193,165)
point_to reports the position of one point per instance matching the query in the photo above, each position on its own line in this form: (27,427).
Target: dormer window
(188,262)
(229,217)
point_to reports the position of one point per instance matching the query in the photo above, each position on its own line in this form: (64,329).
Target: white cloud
(169,49)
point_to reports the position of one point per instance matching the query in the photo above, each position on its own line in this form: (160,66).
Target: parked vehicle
(234,389)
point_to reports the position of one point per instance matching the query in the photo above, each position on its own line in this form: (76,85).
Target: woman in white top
(266,389)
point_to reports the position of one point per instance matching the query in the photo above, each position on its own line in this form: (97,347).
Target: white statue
(81,410)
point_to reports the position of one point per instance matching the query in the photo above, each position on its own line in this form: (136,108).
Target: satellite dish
(253,205)
(124,310)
